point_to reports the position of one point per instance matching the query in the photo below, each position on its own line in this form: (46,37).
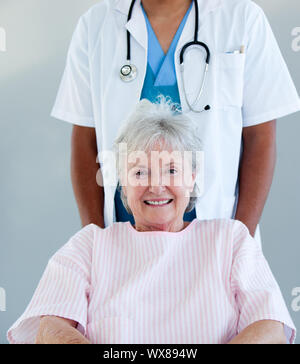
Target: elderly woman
(163,280)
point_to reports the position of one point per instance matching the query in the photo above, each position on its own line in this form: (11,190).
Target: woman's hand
(262,332)
(58,330)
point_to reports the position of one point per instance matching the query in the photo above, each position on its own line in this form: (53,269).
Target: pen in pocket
(240,51)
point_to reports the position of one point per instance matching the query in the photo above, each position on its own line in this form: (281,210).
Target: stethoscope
(129,71)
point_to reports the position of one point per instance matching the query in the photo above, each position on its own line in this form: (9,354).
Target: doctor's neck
(165,8)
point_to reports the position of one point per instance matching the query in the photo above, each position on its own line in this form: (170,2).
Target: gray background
(38,210)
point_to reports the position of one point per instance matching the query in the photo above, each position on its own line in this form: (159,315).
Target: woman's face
(158,187)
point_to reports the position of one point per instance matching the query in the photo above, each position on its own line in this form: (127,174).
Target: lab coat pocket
(230,82)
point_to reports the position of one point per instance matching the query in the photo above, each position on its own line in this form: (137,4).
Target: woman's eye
(140,174)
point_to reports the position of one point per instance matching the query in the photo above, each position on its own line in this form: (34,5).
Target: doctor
(246,87)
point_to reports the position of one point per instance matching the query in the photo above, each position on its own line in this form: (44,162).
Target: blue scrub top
(160,79)
(161,74)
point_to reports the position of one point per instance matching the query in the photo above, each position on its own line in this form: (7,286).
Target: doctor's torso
(233,88)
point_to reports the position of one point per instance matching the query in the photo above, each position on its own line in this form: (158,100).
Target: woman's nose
(157,190)
(156,185)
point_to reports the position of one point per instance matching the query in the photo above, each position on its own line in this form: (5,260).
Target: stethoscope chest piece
(128,72)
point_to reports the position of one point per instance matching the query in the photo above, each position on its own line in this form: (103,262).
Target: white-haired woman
(162,280)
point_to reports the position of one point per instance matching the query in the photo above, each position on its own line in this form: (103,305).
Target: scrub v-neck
(161,64)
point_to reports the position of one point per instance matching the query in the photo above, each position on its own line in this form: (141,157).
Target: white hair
(158,124)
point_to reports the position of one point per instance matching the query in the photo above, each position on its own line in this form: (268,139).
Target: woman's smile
(158,202)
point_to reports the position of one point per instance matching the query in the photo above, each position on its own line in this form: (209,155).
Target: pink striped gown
(204,284)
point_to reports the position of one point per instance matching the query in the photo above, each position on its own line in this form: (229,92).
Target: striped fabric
(204,284)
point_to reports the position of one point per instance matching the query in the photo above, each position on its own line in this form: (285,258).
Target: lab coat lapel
(117,92)
(136,25)
(205,7)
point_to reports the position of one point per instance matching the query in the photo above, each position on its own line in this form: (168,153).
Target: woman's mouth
(158,203)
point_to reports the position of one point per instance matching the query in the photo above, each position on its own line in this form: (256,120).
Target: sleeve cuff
(25,330)
(289,328)
(272,115)
(73,118)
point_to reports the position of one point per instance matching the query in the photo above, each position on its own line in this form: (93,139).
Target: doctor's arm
(84,167)
(256,172)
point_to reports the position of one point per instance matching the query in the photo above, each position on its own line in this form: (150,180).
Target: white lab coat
(242,89)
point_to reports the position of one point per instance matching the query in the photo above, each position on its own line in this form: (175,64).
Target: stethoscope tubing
(128,77)
(128,34)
